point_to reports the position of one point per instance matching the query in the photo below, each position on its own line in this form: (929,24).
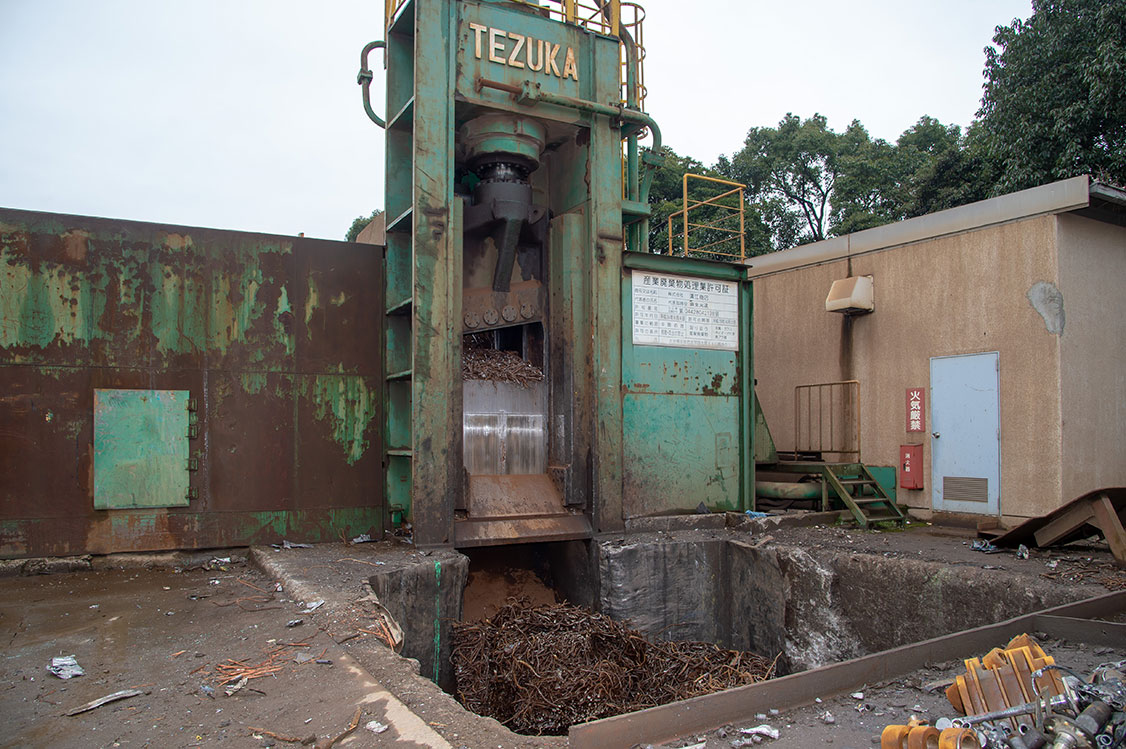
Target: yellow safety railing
(827,418)
(620,18)
(725,236)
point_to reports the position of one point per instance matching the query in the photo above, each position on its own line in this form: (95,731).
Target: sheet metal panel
(682,418)
(276,338)
(141,448)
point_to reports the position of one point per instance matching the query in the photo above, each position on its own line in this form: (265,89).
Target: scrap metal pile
(498,366)
(541,669)
(1019,698)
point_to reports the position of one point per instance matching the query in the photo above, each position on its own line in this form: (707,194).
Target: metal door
(965,433)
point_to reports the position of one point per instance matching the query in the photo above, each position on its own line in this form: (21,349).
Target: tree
(872,184)
(960,174)
(794,168)
(1055,95)
(359,223)
(807,182)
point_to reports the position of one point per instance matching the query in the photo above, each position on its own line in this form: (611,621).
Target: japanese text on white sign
(685,312)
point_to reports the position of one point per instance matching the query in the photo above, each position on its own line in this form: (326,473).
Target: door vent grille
(964,489)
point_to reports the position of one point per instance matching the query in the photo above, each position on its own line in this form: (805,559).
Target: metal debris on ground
(259,733)
(124,694)
(498,366)
(1086,570)
(765,730)
(232,671)
(66,667)
(540,669)
(1018,697)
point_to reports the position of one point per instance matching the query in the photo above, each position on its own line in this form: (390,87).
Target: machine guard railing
(827,419)
(716,221)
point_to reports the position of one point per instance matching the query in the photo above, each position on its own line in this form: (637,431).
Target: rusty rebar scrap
(495,365)
(252,585)
(541,669)
(351,727)
(282,737)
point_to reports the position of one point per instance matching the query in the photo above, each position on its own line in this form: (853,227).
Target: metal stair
(857,488)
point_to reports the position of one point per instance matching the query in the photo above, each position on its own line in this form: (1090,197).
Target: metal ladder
(858,489)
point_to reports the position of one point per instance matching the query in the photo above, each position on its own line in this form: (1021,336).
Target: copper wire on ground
(541,669)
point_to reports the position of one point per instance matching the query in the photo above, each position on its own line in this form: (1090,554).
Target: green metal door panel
(140,448)
(680,450)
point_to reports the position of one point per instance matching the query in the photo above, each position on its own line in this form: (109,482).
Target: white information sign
(685,312)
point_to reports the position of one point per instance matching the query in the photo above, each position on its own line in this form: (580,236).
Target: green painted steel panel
(680,450)
(765,451)
(685,435)
(506,43)
(885,477)
(660,369)
(140,448)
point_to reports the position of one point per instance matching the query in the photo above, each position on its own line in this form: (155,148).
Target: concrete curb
(407,724)
(298,590)
(120,560)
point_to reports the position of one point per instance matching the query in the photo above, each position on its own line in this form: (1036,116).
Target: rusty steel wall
(276,338)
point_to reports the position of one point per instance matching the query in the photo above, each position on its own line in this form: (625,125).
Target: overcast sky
(246,115)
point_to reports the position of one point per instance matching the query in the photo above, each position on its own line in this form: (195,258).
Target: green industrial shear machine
(547,377)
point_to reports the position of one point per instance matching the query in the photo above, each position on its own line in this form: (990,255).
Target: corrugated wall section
(276,339)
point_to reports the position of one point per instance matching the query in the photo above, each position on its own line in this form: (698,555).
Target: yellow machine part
(919,735)
(1003,678)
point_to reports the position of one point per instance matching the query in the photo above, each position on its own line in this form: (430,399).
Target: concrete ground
(165,630)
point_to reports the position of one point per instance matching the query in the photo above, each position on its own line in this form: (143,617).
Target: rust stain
(76,243)
(715,387)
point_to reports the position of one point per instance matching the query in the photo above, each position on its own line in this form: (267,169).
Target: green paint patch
(273,521)
(312,299)
(309,526)
(50,303)
(283,321)
(253,382)
(346,402)
(437,618)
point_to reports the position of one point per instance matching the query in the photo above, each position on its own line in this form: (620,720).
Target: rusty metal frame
(736,210)
(1074,621)
(850,403)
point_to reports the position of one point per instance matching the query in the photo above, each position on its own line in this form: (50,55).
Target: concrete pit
(812,596)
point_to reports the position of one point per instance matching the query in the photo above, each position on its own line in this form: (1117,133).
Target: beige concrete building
(1009,315)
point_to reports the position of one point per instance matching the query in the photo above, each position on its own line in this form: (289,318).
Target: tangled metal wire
(541,669)
(1084,571)
(498,366)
